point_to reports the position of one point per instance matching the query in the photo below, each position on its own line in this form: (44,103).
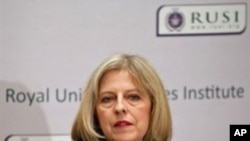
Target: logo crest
(175,20)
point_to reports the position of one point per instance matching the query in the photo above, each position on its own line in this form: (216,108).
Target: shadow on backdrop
(18,118)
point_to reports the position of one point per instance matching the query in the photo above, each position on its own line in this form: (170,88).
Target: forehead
(116,77)
(120,76)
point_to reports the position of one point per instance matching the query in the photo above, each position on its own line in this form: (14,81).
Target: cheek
(142,115)
(146,114)
(103,117)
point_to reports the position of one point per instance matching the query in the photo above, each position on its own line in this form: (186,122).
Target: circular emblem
(175,20)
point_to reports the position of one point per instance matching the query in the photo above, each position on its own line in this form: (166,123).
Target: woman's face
(123,112)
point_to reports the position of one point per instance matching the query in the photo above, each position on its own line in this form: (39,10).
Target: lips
(122,123)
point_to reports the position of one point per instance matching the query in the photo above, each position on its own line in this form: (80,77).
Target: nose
(120,107)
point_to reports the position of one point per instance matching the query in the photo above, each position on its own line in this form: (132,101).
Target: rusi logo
(201,19)
(239,132)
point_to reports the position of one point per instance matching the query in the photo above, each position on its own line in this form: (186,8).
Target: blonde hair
(86,126)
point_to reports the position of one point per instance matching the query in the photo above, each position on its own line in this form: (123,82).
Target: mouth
(122,124)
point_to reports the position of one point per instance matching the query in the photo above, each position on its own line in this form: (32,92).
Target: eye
(134,97)
(106,99)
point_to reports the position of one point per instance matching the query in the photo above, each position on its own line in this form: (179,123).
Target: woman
(124,101)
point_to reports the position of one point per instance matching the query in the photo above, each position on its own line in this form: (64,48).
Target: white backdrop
(49,48)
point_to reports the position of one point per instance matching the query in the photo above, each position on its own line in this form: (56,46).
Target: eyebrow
(111,92)
(106,92)
(132,90)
